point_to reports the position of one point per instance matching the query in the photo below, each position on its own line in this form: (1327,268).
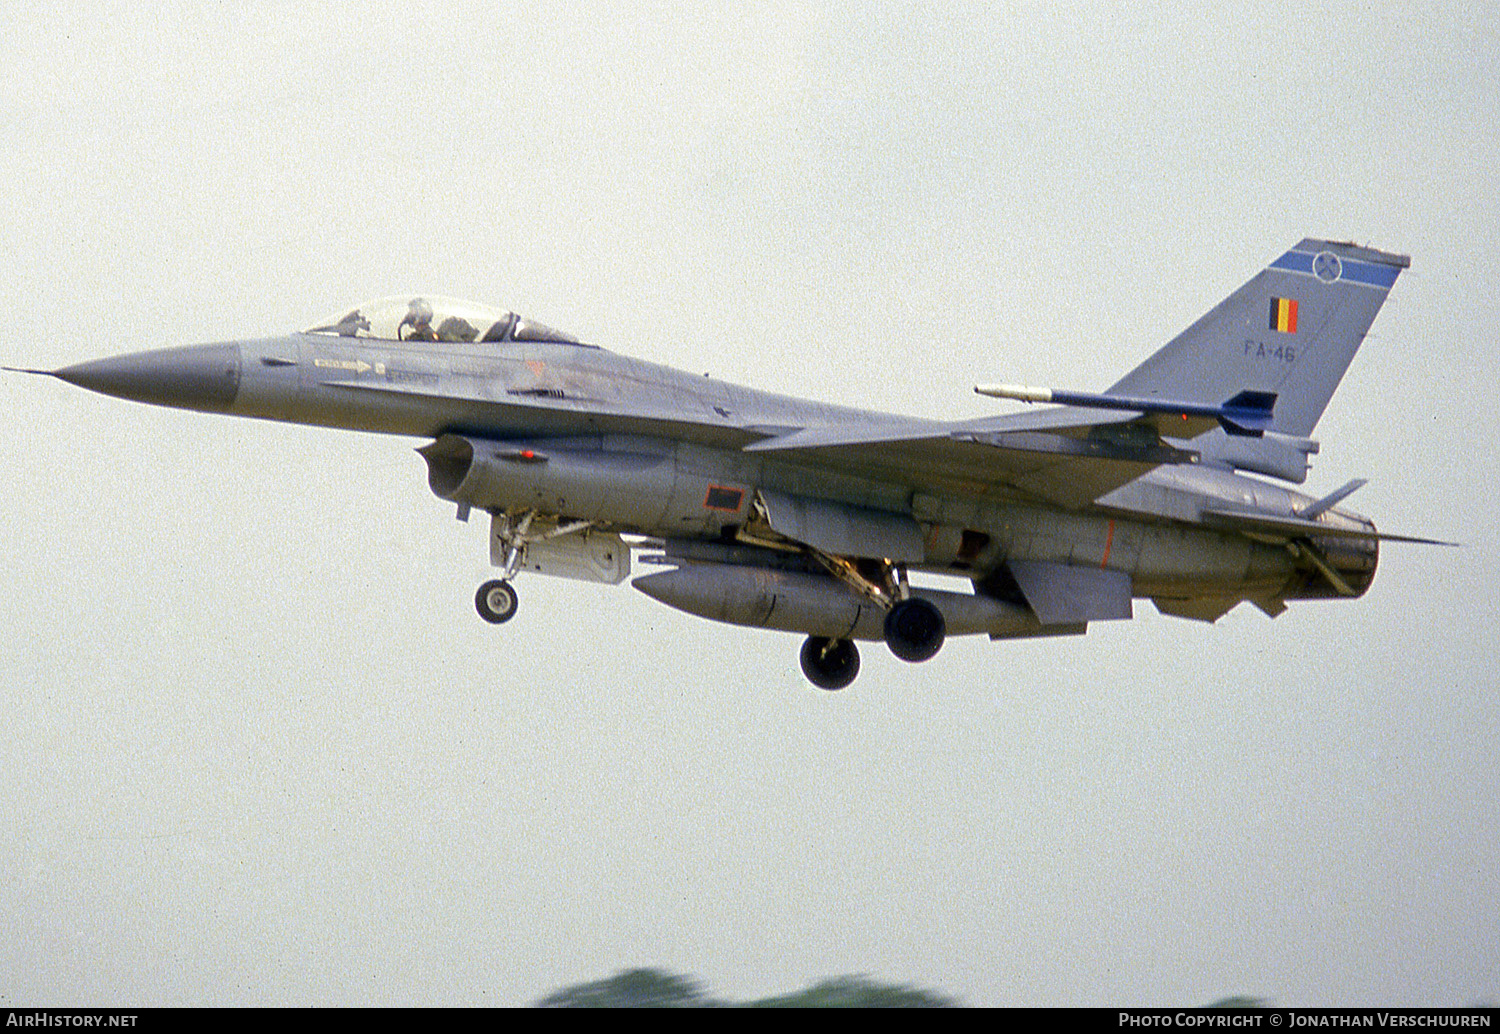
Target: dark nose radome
(195,377)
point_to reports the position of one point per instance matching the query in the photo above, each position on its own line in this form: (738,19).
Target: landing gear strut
(829,663)
(496,600)
(510,539)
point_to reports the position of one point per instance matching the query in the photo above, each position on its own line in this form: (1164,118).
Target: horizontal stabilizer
(1253,522)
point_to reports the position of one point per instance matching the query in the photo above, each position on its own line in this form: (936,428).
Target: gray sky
(259,748)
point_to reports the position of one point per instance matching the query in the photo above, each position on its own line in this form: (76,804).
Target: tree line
(658,989)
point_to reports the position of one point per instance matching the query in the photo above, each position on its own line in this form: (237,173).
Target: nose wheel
(496,601)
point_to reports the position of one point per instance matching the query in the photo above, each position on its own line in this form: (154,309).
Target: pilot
(419,318)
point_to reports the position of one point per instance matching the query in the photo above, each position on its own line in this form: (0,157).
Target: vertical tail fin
(1292,330)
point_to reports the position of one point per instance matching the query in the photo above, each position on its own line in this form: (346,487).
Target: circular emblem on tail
(1327,267)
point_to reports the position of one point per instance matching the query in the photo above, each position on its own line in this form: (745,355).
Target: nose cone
(203,377)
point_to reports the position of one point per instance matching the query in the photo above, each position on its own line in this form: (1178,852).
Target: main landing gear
(914,630)
(829,663)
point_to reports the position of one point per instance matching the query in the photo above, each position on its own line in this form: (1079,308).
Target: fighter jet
(774,512)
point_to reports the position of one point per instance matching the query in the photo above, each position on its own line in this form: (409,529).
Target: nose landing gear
(496,601)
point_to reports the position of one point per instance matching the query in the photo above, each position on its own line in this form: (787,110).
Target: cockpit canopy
(431,318)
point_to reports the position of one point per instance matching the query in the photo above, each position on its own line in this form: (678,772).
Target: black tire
(915,630)
(496,602)
(829,663)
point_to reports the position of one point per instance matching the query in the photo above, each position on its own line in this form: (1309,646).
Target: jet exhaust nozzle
(1338,567)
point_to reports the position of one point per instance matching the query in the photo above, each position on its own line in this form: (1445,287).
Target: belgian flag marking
(1284,315)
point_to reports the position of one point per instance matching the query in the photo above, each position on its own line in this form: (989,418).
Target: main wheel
(496,602)
(914,630)
(829,663)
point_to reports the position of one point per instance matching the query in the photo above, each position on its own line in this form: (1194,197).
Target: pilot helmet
(418,313)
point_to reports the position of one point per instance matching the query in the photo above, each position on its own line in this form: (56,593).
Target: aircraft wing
(529,414)
(1068,456)
(1065,456)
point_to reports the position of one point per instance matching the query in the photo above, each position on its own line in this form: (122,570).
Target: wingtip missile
(1019,392)
(1247,414)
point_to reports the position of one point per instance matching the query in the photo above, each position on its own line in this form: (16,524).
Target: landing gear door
(588,555)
